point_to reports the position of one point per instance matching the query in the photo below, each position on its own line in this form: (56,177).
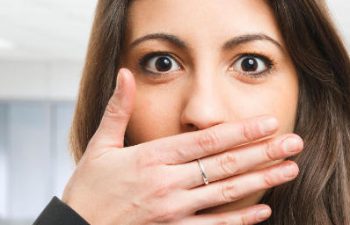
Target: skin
(207,86)
(206,108)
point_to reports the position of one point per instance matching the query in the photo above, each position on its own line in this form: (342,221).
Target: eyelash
(267,61)
(143,61)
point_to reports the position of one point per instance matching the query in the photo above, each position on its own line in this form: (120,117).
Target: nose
(204,106)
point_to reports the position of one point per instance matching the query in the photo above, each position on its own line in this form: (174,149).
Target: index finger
(194,145)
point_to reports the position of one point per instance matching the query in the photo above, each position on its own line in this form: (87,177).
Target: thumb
(118,111)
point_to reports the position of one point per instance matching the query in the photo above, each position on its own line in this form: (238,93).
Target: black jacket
(58,213)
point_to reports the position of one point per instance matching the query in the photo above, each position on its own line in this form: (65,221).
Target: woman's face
(200,63)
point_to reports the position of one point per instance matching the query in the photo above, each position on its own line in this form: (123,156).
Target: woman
(213,103)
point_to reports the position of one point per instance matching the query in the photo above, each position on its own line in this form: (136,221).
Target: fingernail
(269,124)
(290,170)
(291,144)
(263,214)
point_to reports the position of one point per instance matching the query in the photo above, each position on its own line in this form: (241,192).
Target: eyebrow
(235,41)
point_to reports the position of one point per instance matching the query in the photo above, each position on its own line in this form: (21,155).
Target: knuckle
(228,163)
(229,192)
(166,213)
(162,186)
(208,140)
(251,130)
(268,151)
(111,107)
(179,153)
(155,178)
(161,190)
(222,221)
(244,220)
(144,157)
(113,110)
(247,131)
(269,180)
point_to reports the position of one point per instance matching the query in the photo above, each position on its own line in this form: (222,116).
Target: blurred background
(42,49)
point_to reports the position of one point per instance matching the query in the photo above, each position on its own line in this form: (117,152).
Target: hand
(159,182)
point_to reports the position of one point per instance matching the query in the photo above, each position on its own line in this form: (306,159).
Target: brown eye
(251,64)
(161,64)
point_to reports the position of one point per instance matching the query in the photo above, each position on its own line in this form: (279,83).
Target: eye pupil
(163,64)
(249,64)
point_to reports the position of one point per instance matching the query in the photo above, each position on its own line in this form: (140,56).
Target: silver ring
(204,176)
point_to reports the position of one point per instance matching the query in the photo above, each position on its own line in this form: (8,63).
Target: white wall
(55,80)
(340,10)
(34,156)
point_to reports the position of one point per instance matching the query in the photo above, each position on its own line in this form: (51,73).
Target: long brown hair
(321,192)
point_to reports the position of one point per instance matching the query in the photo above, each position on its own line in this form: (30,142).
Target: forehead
(201,20)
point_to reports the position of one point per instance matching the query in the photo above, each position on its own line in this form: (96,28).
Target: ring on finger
(202,170)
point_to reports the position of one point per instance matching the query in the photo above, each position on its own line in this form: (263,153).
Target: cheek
(285,102)
(154,115)
(278,98)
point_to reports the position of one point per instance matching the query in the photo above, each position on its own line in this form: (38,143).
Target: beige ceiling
(59,29)
(45,29)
